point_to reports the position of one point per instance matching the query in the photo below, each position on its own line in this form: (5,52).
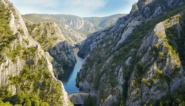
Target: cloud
(83,6)
(74,7)
(132,0)
(59,6)
(34,3)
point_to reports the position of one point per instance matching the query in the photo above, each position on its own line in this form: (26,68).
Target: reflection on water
(67,74)
(69,77)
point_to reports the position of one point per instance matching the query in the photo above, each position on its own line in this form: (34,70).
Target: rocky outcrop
(141,11)
(24,65)
(88,44)
(78,98)
(171,65)
(87,24)
(135,58)
(52,40)
(70,33)
(74,28)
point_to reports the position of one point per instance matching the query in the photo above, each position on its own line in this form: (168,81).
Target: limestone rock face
(116,56)
(143,10)
(72,36)
(148,93)
(52,40)
(22,54)
(78,98)
(74,28)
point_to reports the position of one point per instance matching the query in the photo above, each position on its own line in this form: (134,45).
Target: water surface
(69,77)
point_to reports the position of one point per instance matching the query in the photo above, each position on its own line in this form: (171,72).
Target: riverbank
(70,74)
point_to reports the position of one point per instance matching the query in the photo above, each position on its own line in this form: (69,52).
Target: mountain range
(138,61)
(77,28)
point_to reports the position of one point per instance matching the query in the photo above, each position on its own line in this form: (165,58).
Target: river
(70,74)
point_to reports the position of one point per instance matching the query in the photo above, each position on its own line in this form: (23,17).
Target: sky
(82,8)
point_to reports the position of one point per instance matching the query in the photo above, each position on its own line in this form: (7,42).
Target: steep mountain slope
(27,75)
(71,35)
(138,60)
(75,27)
(52,40)
(88,24)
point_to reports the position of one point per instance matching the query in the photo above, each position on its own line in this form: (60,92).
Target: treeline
(91,101)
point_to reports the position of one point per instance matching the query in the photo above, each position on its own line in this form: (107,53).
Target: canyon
(123,60)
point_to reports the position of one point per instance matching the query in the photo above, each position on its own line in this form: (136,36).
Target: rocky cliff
(26,70)
(52,40)
(71,35)
(74,27)
(138,60)
(88,24)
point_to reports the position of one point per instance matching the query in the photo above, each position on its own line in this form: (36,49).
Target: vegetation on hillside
(137,36)
(97,22)
(6,34)
(44,34)
(123,52)
(39,33)
(91,101)
(34,85)
(176,98)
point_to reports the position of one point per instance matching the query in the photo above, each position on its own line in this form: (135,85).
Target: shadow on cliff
(64,60)
(66,75)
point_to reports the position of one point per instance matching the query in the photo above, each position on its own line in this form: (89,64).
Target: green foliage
(21,31)
(133,41)
(5,94)
(45,104)
(158,72)
(141,69)
(28,52)
(19,105)
(177,42)
(14,53)
(63,63)
(44,89)
(102,95)
(6,34)
(180,41)
(55,38)
(41,85)
(97,22)
(98,78)
(113,82)
(91,101)
(120,102)
(156,46)
(40,35)
(172,99)
(5,104)
(7,66)
(34,84)
(22,98)
(26,41)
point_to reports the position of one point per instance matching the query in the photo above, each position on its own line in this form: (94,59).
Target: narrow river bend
(70,74)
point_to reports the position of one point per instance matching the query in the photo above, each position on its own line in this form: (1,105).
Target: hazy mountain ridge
(74,27)
(88,24)
(136,61)
(72,36)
